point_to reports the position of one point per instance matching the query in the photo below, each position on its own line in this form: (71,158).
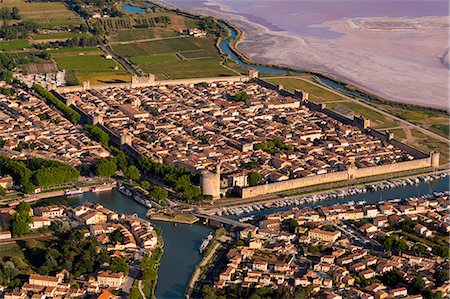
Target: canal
(182,241)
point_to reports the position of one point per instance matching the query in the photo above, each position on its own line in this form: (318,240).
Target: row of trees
(39,172)
(234,291)
(17,31)
(149,268)
(97,134)
(68,112)
(80,41)
(155,192)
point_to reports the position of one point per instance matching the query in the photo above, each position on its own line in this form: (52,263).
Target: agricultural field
(48,14)
(176,58)
(196,54)
(58,36)
(14,45)
(72,51)
(163,46)
(151,59)
(132,34)
(94,68)
(181,69)
(86,63)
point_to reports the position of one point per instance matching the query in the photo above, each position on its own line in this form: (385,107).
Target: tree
(21,219)
(158,193)
(134,293)
(97,134)
(2,191)
(145,185)
(9,271)
(132,173)
(105,168)
(254,178)
(119,264)
(441,276)
(241,97)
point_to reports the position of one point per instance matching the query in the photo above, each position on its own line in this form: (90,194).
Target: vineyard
(113,24)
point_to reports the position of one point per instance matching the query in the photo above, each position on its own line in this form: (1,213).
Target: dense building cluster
(117,236)
(243,126)
(394,249)
(31,128)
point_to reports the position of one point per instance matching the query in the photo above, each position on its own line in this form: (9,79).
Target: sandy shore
(402,65)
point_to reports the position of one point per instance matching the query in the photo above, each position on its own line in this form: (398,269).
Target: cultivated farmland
(48,14)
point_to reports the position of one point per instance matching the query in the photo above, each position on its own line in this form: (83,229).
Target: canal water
(182,241)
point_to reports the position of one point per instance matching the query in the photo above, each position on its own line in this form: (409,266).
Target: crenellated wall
(293,184)
(147,82)
(352,173)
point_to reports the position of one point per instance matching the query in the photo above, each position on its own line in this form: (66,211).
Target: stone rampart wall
(352,173)
(229,79)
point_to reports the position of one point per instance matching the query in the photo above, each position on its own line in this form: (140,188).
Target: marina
(370,189)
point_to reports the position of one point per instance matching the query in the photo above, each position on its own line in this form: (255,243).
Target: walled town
(393,249)
(236,134)
(116,243)
(31,128)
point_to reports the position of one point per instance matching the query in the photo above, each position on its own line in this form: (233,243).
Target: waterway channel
(182,241)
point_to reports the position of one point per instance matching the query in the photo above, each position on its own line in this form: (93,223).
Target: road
(25,238)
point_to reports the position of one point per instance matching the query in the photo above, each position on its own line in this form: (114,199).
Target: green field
(94,68)
(441,129)
(377,120)
(14,45)
(48,14)
(133,34)
(87,63)
(103,77)
(72,50)
(316,93)
(159,57)
(435,121)
(59,35)
(174,45)
(197,54)
(209,67)
(151,59)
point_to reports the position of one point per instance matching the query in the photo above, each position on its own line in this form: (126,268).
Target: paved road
(362,103)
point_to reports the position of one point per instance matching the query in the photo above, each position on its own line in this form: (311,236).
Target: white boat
(125,191)
(142,201)
(72,192)
(205,243)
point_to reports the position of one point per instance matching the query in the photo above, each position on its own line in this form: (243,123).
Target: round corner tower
(210,182)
